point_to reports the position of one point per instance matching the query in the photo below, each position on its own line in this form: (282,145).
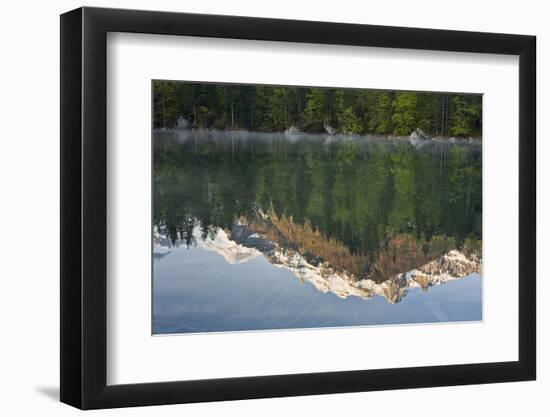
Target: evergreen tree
(381,119)
(278,105)
(466,115)
(404,113)
(348,122)
(315,116)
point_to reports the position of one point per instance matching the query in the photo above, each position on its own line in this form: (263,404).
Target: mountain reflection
(356,216)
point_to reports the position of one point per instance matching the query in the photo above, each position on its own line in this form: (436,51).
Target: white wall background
(29,177)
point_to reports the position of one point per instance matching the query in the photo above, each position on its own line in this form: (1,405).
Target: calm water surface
(271,231)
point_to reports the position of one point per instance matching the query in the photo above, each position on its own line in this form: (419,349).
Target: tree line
(348,111)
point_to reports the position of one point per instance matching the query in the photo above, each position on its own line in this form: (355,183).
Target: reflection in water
(360,217)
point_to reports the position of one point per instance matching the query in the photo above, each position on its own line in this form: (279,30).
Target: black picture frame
(84,207)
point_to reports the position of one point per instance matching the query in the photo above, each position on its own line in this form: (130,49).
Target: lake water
(257,231)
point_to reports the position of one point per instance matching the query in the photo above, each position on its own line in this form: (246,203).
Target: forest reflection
(370,208)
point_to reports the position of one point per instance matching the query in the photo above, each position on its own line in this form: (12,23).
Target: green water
(378,206)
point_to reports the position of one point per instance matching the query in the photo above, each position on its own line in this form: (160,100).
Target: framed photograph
(256,208)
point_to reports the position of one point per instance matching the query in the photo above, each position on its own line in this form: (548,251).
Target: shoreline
(324,135)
